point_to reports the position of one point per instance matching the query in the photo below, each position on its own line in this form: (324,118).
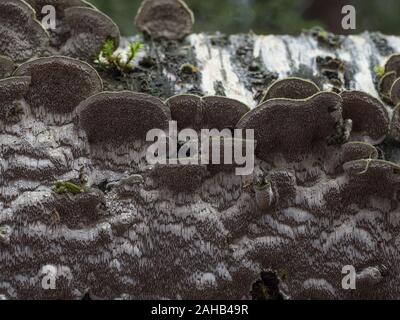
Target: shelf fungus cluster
(389,89)
(79,29)
(389,85)
(78,195)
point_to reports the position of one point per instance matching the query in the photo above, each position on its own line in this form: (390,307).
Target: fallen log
(93,216)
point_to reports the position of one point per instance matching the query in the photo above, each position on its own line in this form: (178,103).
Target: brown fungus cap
(6,67)
(385,85)
(358,150)
(12,89)
(393,64)
(21,35)
(371,176)
(61,34)
(90,29)
(290,126)
(213,112)
(369,116)
(395,92)
(112,116)
(59,83)
(395,125)
(170,19)
(186,110)
(291,88)
(221,112)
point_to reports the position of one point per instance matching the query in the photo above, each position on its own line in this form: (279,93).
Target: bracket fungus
(369,116)
(394,132)
(112,116)
(186,110)
(12,90)
(21,35)
(59,83)
(372,176)
(61,33)
(212,112)
(291,126)
(6,67)
(393,64)
(90,29)
(357,151)
(170,19)
(385,85)
(395,92)
(291,88)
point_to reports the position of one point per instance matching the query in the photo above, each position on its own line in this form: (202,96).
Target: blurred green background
(269,16)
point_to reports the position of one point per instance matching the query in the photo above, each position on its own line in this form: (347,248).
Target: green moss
(379,71)
(108,60)
(188,69)
(62,187)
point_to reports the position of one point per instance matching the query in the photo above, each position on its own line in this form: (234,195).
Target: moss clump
(188,69)
(379,71)
(108,60)
(63,187)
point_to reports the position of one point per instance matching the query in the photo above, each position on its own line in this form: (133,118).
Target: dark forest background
(269,16)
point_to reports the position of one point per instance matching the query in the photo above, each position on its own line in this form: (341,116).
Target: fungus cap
(373,176)
(59,83)
(395,125)
(395,92)
(112,116)
(393,64)
(13,88)
(212,112)
(90,29)
(186,110)
(291,88)
(291,126)
(358,150)
(170,19)
(385,85)
(22,36)
(221,112)
(6,67)
(369,116)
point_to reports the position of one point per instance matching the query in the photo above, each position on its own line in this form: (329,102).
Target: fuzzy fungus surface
(22,36)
